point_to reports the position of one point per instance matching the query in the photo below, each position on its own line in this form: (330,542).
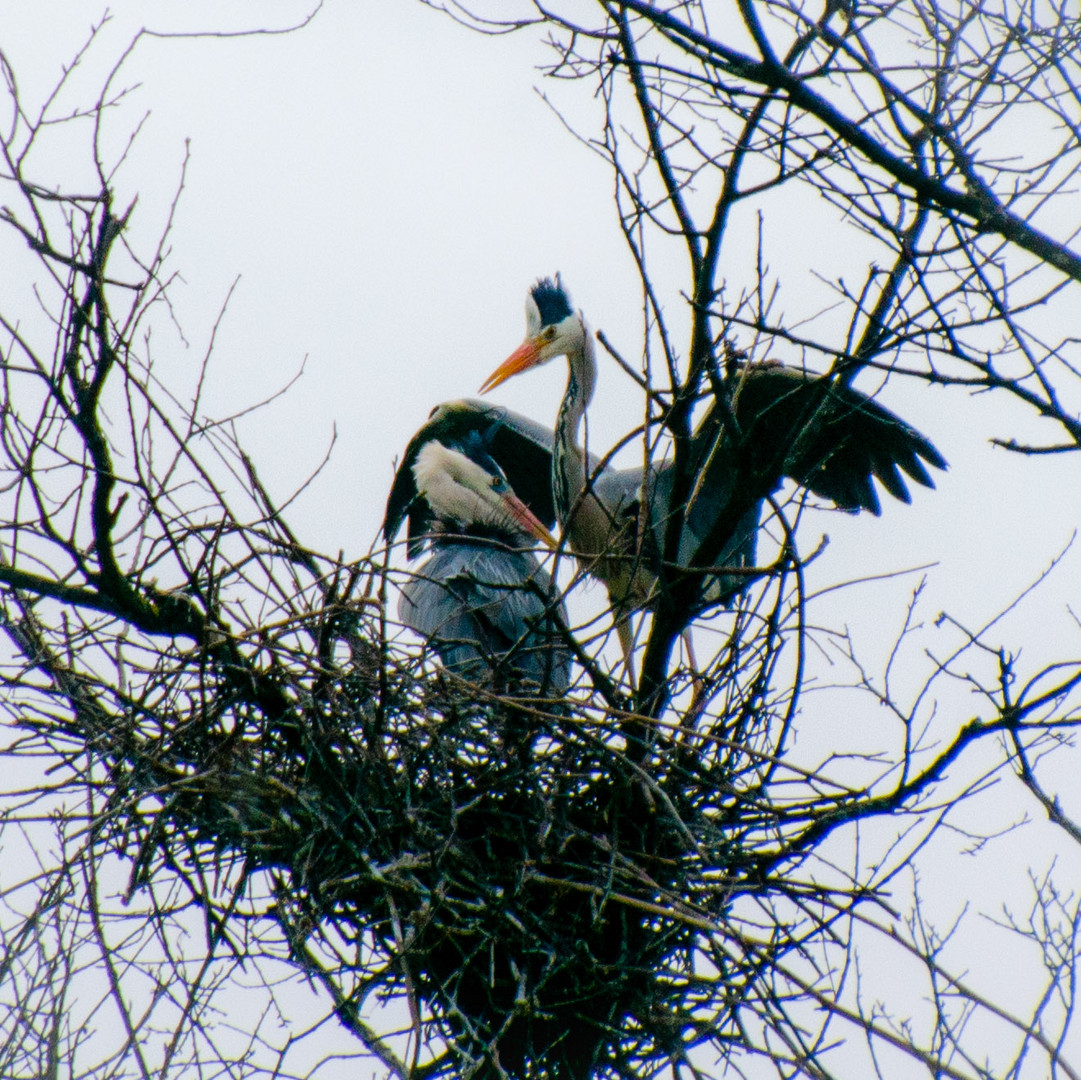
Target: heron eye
(549,333)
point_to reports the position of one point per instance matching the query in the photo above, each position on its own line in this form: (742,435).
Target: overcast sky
(386,185)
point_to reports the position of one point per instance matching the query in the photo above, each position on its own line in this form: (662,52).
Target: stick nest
(502,864)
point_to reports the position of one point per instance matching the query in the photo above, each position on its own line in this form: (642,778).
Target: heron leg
(692,660)
(698,685)
(626,643)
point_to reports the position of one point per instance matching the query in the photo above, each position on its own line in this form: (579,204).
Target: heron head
(553,328)
(465,485)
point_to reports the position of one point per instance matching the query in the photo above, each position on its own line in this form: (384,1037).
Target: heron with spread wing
(776,422)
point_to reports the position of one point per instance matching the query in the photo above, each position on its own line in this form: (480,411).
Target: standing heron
(482,600)
(777,422)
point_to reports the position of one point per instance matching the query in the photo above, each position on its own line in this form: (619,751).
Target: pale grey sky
(386,185)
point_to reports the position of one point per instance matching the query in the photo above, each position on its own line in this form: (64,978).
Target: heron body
(776,422)
(481,600)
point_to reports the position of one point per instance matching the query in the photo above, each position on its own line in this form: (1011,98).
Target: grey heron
(777,422)
(482,600)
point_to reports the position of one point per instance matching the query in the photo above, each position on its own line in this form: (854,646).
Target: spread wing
(832,439)
(828,437)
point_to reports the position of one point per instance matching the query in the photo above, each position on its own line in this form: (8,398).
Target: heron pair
(482,486)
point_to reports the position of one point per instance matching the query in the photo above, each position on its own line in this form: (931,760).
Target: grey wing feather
(531,431)
(828,437)
(837,440)
(709,502)
(619,490)
(487,609)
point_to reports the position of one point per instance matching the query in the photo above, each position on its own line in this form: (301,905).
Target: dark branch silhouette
(253,825)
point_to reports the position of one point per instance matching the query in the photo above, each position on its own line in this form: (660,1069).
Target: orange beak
(528,521)
(524,357)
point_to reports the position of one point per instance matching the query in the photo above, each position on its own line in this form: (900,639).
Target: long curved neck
(568,460)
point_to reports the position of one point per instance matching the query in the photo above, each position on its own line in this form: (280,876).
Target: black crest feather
(552,301)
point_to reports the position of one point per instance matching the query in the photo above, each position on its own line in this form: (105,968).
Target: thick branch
(977,202)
